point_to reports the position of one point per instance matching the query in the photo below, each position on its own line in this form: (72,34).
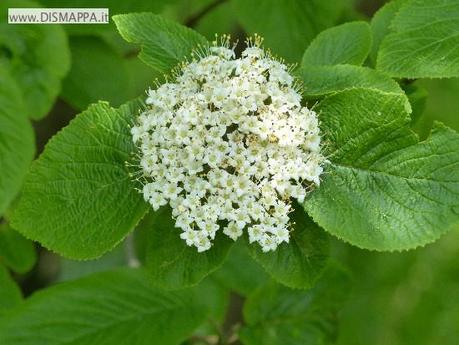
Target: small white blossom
(227,145)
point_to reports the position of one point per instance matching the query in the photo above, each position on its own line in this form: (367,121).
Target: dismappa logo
(58,16)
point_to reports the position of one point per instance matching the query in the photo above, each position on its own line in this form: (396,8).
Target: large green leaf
(164,43)
(17,144)
(424,41)
(289,25)
(10,294)
(171,263)
(79,199)
(277,315)
(348,43)
(112,308)
(37,56)
(300,262)
(16,252)
(322,80)
(383,189)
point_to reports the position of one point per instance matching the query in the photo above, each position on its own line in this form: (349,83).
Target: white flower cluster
(227,144)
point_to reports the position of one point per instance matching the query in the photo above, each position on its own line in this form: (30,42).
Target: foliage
(37,58)
(108,310)
(422,41)
(16,252)
(10,294)
(83,166)
(16,140)
(300,262)
(171,263)
(164,43)
(348,43)
(276,314)
(293,21)
(413,195)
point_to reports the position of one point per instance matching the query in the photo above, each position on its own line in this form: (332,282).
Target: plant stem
(232,321)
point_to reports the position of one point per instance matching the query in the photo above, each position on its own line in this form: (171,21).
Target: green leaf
(112,308)
(79,199)
(17,143)
(171,263)
(288,26)
(164,43)
(300,262)
(424,41)
(16,252)
(320,81)
(278,315)
(348,43)
(100,73)
(380,25)
(10,294)
(383,189)
(240,273)
(37,56)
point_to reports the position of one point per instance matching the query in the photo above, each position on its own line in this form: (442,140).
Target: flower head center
(227,145)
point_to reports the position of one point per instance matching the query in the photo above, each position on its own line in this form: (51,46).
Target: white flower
(233,231)
(227,145)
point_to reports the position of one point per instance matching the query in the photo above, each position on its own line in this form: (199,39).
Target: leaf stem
(232,321)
